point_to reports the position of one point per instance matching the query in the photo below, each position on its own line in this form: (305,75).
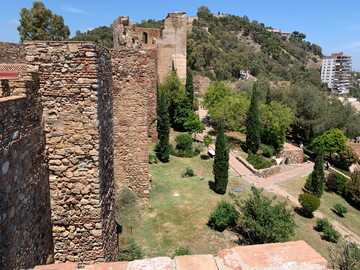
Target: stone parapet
(76,89)
(25,224)
(290,255)
(12,52)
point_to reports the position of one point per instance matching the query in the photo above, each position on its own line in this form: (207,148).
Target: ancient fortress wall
(172,45)
(76,90)
(25,224)
(134,88)
(150,34)
(12,53)
(170,42)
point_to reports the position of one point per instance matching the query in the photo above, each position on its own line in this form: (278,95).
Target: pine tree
(253,124)
(163,129)
(189,86)
(318,177)
(221,162)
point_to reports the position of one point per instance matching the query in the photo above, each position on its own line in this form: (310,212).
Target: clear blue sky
(334,25)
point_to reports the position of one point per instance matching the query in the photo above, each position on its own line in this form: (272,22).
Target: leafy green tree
(275,123)
(102,35)
(208,140)
(193,123)
(221,162)
(332,141)
(216,92)
(150,23)
(263,221)
(253,124)
(189,86)
(163,128)
(318,177)
(39,23)
(232,110)
(174,91)
(181,114)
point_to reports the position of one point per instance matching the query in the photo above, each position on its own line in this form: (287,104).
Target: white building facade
(336,72)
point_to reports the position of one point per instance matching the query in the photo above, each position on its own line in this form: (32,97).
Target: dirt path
(271,183)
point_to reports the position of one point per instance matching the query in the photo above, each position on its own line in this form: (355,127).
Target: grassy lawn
(306,230)
(172,221)
(179,208)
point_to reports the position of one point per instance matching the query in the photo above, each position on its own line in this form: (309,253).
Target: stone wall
(262,172)
(123,34)
(76,90)
(295,156)
(12,52)
(172,45)
(152,34)
(25,220)
(170,42)
(200,85)
(277,256)
(134,88)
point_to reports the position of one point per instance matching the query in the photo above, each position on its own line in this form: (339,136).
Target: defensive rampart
(76,89)
(25,224)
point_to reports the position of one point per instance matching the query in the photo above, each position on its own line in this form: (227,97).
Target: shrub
(331,234)
(189,172)
(264,222)
(336,182)
(305,158)
(322,223)
(258,161)
(346,158)
(184,141)
(310,203)
(340,208)
(352,190)
(153,159)
(223,216)
(268,150)
(308,184)
(346,256)
(130,252)
(182,251)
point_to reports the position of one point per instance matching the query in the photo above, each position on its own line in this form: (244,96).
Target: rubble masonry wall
(25,223)
(76,91)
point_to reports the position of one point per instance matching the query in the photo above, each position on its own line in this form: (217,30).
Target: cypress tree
(268,96)
(221,162)
(189,86)
(318,177)
(163,128)
(253,124)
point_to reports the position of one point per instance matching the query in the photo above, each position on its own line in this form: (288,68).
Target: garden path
(271,183)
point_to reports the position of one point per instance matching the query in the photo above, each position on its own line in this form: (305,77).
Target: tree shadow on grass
(237,143)
(212,185)
(204,157)
(301,212)
(337,213)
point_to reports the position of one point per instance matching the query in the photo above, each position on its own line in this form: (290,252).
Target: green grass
(172,221)
(306,226)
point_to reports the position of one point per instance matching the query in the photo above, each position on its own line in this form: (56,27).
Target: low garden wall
(295,155)
(260,173)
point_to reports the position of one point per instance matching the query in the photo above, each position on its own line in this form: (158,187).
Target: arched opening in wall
(145,38)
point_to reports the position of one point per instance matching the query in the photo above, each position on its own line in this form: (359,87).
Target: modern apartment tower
(336,71)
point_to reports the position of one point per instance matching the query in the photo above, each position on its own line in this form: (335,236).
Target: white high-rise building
(336,72)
